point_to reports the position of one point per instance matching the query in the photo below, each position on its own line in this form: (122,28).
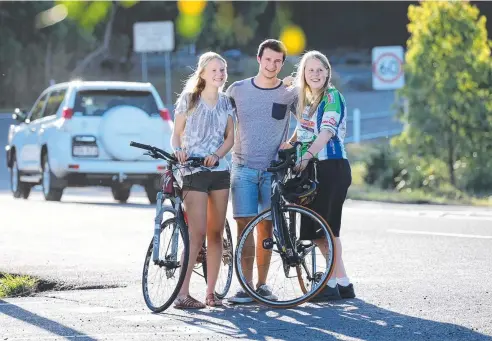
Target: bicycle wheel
(226,269)
(312,267)
(169,270)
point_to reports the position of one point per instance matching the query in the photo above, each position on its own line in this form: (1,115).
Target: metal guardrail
(357,119)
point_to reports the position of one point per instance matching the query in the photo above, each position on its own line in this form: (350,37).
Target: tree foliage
(448,85)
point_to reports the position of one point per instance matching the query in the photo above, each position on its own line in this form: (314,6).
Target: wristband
(218,158)
(307,151)
(178,149)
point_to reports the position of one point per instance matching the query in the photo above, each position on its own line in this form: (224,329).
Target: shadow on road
(351,320)
(41,322)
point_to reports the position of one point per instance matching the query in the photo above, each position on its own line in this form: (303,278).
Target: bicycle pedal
(268,243)
(202,256)
(303,245)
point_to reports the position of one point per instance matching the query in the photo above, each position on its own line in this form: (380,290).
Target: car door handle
(33,130)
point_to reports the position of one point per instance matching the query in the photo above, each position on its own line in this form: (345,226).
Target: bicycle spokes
(293,273)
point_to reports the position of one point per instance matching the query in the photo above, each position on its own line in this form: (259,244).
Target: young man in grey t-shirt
(263,107)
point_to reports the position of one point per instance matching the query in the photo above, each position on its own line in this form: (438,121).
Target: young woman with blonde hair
(203,127)
(321,125)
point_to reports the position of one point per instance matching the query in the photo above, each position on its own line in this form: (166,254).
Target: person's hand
(300,166)
(286,145)
(210,160)
(181,156)
(288,81)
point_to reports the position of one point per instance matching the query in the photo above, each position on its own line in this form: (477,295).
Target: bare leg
(248,257)
(217,208)
(196,209)
(339,266)
(263,257)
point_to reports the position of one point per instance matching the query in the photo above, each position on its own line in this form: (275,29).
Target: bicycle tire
(308,296)
(223,293)
(148,259)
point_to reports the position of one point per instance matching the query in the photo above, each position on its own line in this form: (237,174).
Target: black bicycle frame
(283,235)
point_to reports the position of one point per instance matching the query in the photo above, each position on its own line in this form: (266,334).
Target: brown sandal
(213,301)
(188,302)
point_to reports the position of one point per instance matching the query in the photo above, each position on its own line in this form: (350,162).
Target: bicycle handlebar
(166,156)
(288,158)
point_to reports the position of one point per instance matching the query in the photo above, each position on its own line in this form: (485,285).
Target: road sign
(153,36)
(387,67)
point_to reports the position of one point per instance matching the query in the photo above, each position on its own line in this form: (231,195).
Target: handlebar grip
(140,145)
(200,160)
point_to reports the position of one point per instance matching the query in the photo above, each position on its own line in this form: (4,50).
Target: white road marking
(460,235)
(465,215)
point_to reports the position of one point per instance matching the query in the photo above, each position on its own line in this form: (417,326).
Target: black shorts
(207,181)
(334,178)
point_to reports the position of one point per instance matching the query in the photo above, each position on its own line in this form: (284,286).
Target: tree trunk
(103,49)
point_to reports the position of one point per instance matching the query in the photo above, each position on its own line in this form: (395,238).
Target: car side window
(54,102)
(37,110)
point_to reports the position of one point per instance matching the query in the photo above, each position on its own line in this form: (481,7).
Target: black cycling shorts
(334,177)
(207,181)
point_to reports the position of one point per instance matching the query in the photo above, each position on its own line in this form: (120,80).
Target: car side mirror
(19,115)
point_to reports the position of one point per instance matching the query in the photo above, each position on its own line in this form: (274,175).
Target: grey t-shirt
(262,117)
(205,128)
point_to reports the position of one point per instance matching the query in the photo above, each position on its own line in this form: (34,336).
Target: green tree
(448,84)
(229,24)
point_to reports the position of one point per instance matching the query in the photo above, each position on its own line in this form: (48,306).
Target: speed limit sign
(387,68)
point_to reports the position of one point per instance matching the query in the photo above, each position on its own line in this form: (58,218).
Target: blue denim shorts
(251,191)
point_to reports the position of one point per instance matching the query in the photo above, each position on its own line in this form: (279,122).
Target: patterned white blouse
(205,128)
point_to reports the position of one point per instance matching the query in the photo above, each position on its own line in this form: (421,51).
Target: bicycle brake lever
(151,154)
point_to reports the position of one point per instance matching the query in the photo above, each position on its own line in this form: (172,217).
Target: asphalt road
(420,273)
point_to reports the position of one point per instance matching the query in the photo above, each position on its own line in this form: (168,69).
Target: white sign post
(155,36)
(387,68)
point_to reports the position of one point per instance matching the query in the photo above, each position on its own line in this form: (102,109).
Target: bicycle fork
(160,210)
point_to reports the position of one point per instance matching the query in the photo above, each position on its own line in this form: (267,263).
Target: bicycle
(284,242)
(176,224)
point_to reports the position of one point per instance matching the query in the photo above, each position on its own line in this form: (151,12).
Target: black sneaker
(327,294)
(346,292)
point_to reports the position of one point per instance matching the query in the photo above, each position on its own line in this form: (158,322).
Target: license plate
(85,151)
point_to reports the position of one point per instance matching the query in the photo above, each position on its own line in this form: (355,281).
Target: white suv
(78,134)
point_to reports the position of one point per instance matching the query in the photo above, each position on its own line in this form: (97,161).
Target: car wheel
(151,192)
(121,193)
(48,181)
(19,189)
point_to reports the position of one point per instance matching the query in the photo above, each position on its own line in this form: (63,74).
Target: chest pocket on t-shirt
(279,110)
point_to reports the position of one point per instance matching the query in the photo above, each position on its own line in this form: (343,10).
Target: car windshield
(97,102)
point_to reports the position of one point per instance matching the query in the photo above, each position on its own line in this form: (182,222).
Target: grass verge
(359,190)
(15,286)
(370,193)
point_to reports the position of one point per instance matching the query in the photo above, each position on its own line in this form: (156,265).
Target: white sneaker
(240,297)
(266,292)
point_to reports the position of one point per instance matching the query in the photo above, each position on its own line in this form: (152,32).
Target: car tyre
(121,193)
(151,192)
(49,181)
(19,189)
